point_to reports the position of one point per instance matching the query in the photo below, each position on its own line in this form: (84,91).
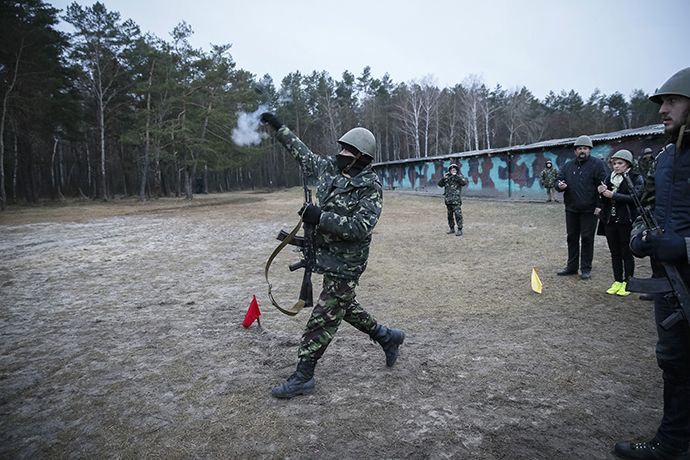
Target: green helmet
(584,141)
(679,83)
(362,139)
(624,155)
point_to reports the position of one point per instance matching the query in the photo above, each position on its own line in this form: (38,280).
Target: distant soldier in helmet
(548,180)
(349,199)
(645,161)
(668,192)
(453,182)
(578,180)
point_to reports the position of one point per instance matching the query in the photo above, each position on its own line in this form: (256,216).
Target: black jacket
(622,200)
(583,178)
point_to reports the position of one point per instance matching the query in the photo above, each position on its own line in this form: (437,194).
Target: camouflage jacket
(453,187)
(644,164)
(548,177)
(350,209)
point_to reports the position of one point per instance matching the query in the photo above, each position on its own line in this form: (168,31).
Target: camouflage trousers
(336,303)
(454,212)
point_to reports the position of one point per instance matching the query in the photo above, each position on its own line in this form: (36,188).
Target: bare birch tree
(409,113)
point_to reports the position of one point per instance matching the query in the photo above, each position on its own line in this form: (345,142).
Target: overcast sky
(613,45)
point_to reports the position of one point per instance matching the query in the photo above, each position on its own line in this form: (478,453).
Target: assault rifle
(306,247)
(673,283)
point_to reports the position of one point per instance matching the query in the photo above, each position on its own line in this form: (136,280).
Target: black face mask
(344,161)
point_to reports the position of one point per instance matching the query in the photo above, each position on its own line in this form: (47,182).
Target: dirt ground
(121,337)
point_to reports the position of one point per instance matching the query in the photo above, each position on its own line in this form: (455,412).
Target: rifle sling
(300,303)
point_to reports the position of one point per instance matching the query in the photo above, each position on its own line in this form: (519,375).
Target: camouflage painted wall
(513,174)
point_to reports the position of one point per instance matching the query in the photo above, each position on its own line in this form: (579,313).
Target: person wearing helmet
(617,214)
(453,181)
(645,161)
(578,180)
(547,178)
(670,199)
(349,198)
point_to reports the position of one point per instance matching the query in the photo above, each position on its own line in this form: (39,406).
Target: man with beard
(670,199)
(578,180)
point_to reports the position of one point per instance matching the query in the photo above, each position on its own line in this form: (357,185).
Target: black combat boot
(651,450)
(390,340)
(451,231)
(300,383)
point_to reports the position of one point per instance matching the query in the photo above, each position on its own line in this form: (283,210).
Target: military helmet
(624,155)
(646,151)
(362,139)
(549,162)
(453,165)
(679,83)
(584,141)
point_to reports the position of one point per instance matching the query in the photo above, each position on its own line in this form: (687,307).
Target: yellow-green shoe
(615,287)
(622,290)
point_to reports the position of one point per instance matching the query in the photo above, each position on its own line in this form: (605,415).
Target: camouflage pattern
(548,177)
(350,207)
(648,199)
(336,303)
(453,187)
(454,211)
(643,165)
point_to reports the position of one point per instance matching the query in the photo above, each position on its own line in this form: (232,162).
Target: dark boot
(390,340)
(452,230)
(300,383)
(651,450)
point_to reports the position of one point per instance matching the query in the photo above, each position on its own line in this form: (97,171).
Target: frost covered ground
(121,337)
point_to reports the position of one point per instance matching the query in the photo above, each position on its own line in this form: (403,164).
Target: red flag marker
(252,314)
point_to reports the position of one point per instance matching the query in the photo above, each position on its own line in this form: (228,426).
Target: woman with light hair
(618,213)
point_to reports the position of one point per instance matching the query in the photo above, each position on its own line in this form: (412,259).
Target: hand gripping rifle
(306,246)
(673,283)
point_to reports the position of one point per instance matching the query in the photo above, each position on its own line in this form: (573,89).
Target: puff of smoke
(247,131)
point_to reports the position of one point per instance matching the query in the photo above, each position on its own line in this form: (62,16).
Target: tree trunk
(101,122)
(147,138)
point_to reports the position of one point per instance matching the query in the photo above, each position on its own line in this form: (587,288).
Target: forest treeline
(111,111)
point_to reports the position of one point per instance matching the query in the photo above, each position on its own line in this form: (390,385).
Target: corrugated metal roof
(651,130)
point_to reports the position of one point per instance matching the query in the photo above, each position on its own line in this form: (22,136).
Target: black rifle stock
(673,282)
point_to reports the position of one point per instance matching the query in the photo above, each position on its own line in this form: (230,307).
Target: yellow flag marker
(536,284)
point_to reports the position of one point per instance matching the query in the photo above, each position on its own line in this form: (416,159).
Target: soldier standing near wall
(645,162)
(548,180)
(453,182)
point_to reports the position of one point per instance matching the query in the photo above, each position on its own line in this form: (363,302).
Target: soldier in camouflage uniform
(348,205)
(645,161)
(453,181)
(548,180)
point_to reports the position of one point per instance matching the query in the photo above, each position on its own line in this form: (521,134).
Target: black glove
(310,214)
(668,247)
(269,118)
(640,248)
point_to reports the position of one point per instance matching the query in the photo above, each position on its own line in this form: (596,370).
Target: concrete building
(511,172)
